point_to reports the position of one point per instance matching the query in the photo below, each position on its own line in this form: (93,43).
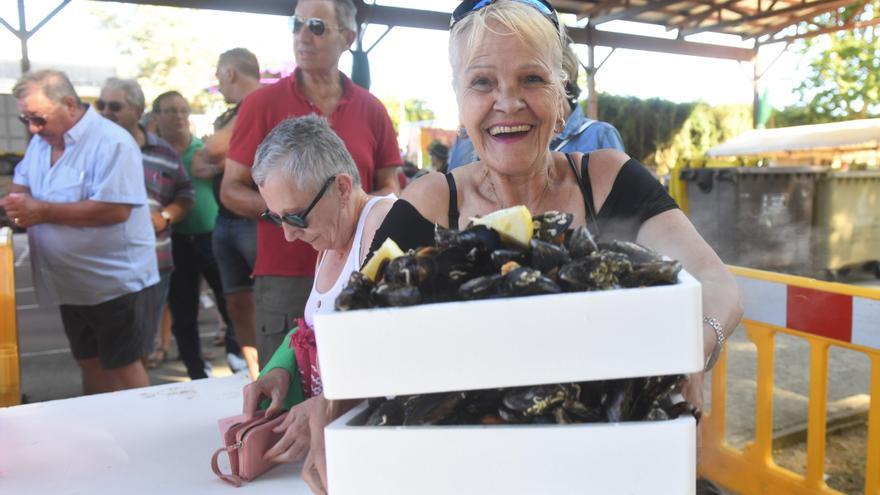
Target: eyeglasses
(470,6)
(34,120)
(298,219)
(316,26)
(175,111)
(113,106)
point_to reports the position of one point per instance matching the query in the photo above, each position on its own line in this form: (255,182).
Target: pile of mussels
(477,263)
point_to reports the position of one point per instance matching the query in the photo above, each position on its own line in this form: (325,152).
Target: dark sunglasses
(298,219)
(470,6)
(113,106)
(315,25)
(33,120)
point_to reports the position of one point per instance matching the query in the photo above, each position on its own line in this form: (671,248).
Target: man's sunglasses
(34,120)
(298,219)
(315,25)
(113,106)
(470,6)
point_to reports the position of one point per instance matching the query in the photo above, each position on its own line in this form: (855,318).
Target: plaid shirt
(166,182)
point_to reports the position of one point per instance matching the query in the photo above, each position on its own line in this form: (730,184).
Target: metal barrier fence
(824,314)
(10,374)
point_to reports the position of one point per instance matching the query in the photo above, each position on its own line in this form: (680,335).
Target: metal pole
(22,37)
(593,99)
(756,97)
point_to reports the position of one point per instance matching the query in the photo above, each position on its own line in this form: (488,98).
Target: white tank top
(323,302)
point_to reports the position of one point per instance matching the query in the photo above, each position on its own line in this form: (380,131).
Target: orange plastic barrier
(824,314)
(10,375)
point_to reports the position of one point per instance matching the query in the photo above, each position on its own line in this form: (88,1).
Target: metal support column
(593,98)
(756,95)
(23,37)
(23,34)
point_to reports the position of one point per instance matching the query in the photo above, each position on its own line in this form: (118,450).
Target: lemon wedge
(514,224)
(387,251)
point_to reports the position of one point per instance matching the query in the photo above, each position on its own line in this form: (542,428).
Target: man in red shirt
(322,31)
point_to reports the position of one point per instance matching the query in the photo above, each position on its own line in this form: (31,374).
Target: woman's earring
(560,125)
(462,133)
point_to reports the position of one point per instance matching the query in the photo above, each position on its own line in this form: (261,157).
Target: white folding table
(154,440)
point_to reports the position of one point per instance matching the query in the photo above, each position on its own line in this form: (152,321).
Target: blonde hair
(513,18)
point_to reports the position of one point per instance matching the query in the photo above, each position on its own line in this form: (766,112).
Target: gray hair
(133,92)
(54,84)
(305,150)
(242,60)
(346,14)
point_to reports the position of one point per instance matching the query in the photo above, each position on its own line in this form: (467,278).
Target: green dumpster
(755,217)
(846,221)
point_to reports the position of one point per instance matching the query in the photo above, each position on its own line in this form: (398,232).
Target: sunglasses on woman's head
(316,26)
(113,106)
(470,6)
(34,120)
(298,219)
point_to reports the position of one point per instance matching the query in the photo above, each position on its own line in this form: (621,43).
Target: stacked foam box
(503,343)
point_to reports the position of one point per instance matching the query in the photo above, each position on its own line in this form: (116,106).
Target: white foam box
(635,458)
(511,342)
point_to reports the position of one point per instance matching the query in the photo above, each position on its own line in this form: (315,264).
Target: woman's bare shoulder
(429,194)
(605,164)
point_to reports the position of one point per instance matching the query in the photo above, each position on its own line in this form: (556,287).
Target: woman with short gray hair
(311,187)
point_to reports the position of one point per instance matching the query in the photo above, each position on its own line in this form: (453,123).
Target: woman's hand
(314,471)
(294,445)
(272,385)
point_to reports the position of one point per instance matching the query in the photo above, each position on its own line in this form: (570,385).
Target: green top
(199,220)
(285,358)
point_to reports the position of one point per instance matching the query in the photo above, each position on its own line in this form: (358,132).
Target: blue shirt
(579,134)
(90,265)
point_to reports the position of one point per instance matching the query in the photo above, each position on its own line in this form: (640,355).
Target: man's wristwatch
(167,217)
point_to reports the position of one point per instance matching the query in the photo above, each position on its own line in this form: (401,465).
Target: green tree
(415,110)
(162,53)
(660,133)
(844,80)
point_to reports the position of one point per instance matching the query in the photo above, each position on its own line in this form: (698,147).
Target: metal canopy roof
(761,20)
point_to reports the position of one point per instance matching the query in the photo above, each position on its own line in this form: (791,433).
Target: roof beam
(792,20)
(273,7)
(817,32)
(718,26)
(648,43)
(630,12)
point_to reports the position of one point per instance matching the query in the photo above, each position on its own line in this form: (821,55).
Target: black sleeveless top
(635,197)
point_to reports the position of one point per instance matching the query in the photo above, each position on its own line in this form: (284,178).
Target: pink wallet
(246,442)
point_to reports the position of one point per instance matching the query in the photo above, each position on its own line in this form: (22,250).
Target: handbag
(246,441)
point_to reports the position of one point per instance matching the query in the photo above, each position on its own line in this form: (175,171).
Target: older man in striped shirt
(169,188)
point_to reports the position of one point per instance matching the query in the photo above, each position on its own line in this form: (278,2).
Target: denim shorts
(235,247)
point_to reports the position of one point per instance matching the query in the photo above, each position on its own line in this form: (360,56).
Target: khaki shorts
(279,301)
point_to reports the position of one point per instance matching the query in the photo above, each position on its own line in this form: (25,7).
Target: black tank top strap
(583,179)
(453,201)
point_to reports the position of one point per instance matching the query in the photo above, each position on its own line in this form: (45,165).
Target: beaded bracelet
(719,341)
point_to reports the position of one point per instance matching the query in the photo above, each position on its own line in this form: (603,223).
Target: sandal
(156,358)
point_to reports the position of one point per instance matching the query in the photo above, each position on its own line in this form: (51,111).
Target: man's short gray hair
(54,84)
(242,60)
(306,151)
(134,95)
(346,14)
